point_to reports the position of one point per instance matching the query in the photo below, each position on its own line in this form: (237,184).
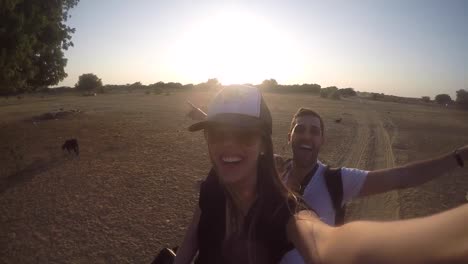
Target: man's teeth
(306,146)
(231,159)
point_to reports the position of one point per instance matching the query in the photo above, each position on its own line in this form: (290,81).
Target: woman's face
(234,152)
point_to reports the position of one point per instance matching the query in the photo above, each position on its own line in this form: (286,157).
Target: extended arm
(189,246)
(411,174)
(441,238)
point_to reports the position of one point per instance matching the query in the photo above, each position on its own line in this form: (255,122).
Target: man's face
(306,139)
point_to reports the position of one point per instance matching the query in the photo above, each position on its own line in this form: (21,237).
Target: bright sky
(399,47)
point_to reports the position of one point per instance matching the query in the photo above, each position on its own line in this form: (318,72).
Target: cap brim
(234,120)
(198,126)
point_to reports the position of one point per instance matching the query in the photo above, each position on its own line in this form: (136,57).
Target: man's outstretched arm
(412,174)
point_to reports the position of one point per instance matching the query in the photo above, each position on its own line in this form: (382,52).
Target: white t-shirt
(318,198)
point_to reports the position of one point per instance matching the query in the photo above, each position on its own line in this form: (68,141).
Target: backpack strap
(212,203)
(334,183)
(307,179)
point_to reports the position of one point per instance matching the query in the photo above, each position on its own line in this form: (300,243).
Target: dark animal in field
(338,120)
(71,145)
(195,112)
(165,256)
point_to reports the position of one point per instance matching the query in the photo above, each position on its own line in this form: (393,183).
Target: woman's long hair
(272,194)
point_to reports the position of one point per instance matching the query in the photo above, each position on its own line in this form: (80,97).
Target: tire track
(373,150)
(354,157)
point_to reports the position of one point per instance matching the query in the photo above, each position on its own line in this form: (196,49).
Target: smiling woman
(235,47)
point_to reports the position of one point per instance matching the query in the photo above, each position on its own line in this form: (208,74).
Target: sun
(235,47)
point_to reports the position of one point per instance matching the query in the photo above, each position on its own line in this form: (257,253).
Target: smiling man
(327,190)
(305,174)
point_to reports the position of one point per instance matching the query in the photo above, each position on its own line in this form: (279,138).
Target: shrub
(88,82)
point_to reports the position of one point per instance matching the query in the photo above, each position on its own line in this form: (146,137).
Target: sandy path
(372,149)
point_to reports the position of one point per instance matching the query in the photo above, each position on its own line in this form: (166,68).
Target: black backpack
(334,183)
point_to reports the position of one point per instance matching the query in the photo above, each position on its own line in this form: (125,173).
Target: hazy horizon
(411,49)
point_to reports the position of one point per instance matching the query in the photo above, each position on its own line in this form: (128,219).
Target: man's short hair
(306,112)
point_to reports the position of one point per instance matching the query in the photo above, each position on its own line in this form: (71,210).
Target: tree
(426,99)
(33,36)
(270,84)
(159,85)
(135,85)
(188,86)
(174,85)
(310,88)
(208,85)
(462,98)
(329,91)
(213,83)
(88,82)
(335,95)
(377,96)
(347,92)
(443,99)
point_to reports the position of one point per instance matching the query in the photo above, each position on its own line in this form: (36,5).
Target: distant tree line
(90,82)
(441,99)
(445,99)
(332,92)
(271,85)
(426,99)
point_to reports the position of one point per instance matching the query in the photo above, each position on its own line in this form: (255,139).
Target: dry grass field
(131,190)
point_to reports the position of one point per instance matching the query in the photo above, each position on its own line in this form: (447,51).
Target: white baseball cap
(237,105)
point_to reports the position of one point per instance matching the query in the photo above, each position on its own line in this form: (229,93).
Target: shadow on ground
(28,172)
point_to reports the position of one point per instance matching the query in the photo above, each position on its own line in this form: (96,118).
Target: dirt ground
(131,190)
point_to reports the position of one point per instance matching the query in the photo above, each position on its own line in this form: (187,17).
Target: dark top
(270,238)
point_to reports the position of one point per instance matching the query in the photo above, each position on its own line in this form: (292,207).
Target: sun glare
(235,47)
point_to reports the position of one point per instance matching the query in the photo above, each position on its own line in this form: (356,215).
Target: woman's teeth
(304,146)
(231,159)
